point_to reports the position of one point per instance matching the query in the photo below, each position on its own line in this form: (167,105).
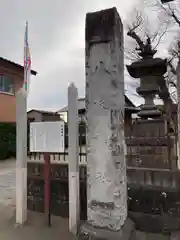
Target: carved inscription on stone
(106,168)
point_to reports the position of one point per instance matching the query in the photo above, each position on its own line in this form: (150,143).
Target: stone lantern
(150,71)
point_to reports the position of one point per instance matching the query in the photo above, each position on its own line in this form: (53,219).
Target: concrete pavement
(36,227)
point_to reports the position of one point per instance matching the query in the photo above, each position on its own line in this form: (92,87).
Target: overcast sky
(56,37)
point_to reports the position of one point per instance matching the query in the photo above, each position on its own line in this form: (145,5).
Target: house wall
(51,117)
(7,108)
(7,100)
(42,117)
(35,116)
(64,116)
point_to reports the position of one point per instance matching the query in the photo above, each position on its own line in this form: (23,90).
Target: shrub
(7,140)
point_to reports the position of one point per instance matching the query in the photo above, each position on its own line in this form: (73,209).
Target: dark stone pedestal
(89,232)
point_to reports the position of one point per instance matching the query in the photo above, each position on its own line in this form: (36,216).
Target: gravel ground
(36,227)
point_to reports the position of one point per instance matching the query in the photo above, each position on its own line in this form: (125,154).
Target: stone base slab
(89,232)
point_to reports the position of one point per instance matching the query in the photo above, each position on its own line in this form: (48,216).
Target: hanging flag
(27,60)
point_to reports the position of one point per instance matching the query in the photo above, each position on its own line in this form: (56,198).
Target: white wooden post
(21,156)
(73,147)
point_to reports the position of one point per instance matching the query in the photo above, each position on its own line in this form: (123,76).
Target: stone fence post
(178,112)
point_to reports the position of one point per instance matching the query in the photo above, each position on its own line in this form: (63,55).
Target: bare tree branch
(137,22)
(136,38)
(172,68)
(145,35)
(134,26)
(147,38)
(159,37)
(173,15)
(170,10)
(131,55)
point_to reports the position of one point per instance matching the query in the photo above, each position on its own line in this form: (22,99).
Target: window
(6,84)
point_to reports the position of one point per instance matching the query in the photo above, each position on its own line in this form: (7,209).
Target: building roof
(43,111)
(81,105)
(16,65)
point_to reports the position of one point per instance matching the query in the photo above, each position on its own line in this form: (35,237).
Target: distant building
(130,108)
(11,79)
(35,115)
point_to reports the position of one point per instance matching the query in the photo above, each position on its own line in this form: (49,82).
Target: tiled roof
(15,65)
(43,111)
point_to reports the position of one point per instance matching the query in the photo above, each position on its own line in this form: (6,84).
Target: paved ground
(7,183)
(36,227)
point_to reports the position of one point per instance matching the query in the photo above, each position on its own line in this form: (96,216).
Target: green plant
(7,140)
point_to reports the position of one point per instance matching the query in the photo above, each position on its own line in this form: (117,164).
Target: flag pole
(21,145)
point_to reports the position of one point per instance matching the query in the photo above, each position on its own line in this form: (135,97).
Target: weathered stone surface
(127,232)
(106,166)
(178,110)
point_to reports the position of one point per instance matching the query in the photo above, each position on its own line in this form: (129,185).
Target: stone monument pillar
(106,164)
(178,111)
